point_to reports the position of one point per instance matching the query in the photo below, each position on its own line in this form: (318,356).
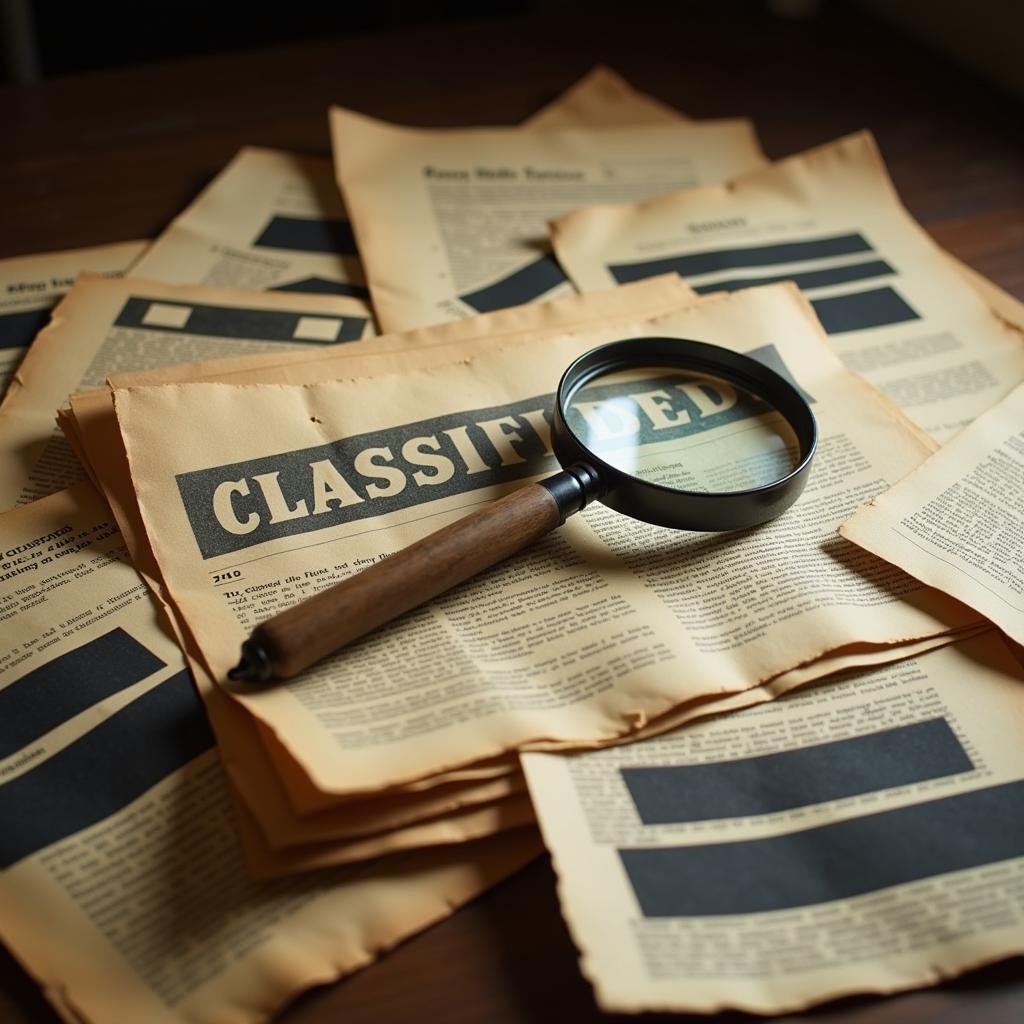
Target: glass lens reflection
(683,430)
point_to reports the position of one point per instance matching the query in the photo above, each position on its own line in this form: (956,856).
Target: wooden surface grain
(115,155)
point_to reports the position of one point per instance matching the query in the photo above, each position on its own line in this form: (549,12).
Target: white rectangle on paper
(161,314)
(317,328)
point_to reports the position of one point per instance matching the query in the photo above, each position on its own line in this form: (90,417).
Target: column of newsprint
(121,875)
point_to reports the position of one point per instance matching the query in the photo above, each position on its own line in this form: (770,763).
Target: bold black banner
(237,323)
(805,278)
(58,690)
(830,862)
(18,329)
(524,285)
(235,506)
(104,770)
(308,234)
(712,260)
(323,286)
(860,311)
(797,778)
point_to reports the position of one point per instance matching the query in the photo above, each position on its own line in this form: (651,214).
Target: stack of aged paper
(301,377)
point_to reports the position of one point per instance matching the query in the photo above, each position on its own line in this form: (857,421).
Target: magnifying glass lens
(682,429)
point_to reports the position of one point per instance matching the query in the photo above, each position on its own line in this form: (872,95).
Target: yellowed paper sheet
(270,220)
(280,802)
(30,286)
(100,438)
(241,748)
(862,836)
(124,892)
(957,521)
(275,220)
(285,843)
(602,96)
(452,222)
(851,657)
(579,639)
(500,329)
(104,326)
(893,305)
(469,825)
(450,342)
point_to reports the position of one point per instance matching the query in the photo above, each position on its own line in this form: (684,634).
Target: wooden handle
(300,636)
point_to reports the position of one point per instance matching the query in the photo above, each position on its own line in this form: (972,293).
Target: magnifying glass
(673,432)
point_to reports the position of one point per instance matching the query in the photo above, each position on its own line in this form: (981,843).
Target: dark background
(44,38)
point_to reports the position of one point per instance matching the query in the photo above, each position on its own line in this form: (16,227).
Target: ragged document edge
(275,842)
(957,521)
(30,286)
(499,329)
(465,810)
(105,325)
(895,307)
(99,436)
(286,843)
(329,840)
(101,442)
(133,904)
(852,657)
(270,220)
(466,827)
(275,220)
(452,222)
(618,570)
(602,97)
(117,296)
(862,836)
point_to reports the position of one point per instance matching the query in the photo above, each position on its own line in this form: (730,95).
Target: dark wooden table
(115,155)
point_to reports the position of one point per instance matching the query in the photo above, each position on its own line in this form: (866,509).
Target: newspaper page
(275,220)
(574,640)
(104,326)
(452,222)
(602,96)
(289,809)
(461,808)
(532,322)
(466,812)
(957,522)
(97,435)
(271,220)
(124,893)
(829,220)
(94,431)
(862,836)
(30,286)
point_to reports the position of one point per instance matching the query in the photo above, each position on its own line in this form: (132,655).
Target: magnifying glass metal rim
(667,506)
